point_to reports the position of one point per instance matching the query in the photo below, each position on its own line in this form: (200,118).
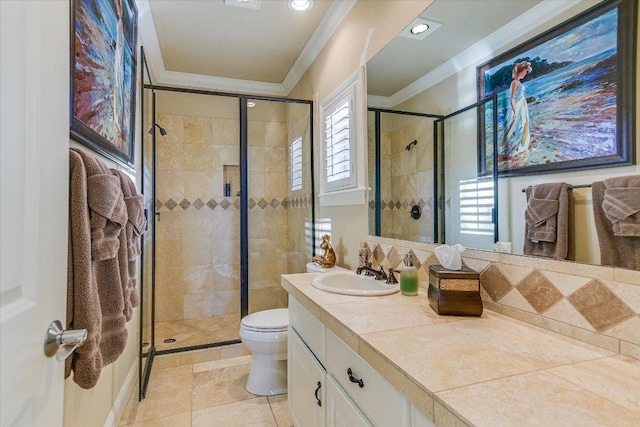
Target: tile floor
(206,394)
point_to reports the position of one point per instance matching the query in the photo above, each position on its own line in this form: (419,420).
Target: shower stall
(232,210)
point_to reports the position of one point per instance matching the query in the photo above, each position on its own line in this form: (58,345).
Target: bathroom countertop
(479,371)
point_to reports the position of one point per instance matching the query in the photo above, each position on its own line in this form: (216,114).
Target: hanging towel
(134,228)
(618,251)
(621,205)
(549,221)
(108,216)
(83,301)
(541,215)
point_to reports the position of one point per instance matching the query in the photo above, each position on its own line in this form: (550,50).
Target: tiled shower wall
(198,234)
(595,304)
(407,177)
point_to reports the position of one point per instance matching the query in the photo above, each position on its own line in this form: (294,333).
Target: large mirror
(412,81)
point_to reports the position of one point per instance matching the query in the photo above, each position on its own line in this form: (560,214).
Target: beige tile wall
(595,304)
(198,234)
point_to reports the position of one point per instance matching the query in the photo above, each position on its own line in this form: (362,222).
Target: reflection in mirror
(406,187)
(438,75)
(469,203)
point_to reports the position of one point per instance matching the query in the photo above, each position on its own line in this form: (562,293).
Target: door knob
(61,343)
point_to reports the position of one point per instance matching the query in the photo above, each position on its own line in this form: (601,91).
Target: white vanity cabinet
(307,384)
(331,385)
(341,410)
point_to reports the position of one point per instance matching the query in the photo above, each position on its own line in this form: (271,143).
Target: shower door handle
(157,215)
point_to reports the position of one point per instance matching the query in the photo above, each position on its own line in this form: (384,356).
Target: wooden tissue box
(454,292)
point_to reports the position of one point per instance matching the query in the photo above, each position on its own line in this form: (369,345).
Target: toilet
(264,333)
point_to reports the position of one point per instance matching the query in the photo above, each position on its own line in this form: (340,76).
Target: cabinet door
(341,410)
(306,382)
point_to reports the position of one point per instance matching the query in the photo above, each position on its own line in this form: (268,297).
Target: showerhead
(160,128)
(414,142)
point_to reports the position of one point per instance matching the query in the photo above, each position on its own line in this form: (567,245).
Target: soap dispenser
(409,277)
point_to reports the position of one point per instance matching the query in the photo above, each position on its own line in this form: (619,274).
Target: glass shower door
(197,238)
(147,345)
(280,198)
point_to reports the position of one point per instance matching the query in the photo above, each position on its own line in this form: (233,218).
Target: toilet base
(267,377)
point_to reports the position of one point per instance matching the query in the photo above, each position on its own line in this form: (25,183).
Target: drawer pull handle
(317,390)
(354,379)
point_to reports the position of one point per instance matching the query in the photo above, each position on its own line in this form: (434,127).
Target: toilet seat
(267,321)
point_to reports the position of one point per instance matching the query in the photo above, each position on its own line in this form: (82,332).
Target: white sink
(349,283)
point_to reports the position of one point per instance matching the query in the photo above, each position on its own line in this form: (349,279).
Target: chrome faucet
(368,271)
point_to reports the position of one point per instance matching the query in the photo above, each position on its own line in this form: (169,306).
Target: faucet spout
(368,271)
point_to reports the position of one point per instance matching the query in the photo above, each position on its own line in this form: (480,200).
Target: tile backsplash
(595,304)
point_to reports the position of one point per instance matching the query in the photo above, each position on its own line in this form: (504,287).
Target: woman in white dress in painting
(516,138)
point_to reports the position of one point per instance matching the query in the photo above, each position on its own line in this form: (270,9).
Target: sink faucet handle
(391,280)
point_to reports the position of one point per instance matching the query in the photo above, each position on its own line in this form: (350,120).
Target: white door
(34,137)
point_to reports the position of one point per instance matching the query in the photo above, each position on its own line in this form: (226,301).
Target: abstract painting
(565,99)
(103,71)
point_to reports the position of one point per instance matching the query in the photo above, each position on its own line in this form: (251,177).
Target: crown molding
(147,30)
(480,51)
(223,84)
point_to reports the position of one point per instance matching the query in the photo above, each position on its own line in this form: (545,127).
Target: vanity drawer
(378,399)
(310,329)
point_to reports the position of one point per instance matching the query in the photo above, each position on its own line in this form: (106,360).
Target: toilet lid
(275,320)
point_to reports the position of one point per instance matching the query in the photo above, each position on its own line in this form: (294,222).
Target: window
(337,143)
(295,159)
(343,137)
(476,206)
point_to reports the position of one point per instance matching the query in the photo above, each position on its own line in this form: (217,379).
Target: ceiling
(210,45)
(464,22)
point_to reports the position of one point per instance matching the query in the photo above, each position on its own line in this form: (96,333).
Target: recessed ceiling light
(251,104)
(420,28)
(247,4)
(300,5)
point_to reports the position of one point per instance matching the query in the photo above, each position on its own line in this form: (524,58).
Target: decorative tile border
(589,307)
(403,204)
(233,203)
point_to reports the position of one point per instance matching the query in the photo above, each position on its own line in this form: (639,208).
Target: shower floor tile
(210,394)
(192,332)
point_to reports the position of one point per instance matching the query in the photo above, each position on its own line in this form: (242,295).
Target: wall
(339,59)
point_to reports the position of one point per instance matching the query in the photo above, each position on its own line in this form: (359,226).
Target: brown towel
(621,204)
(541,217)
(134,228)
(618,251)
(108,215)
(83,302)
(549,221)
